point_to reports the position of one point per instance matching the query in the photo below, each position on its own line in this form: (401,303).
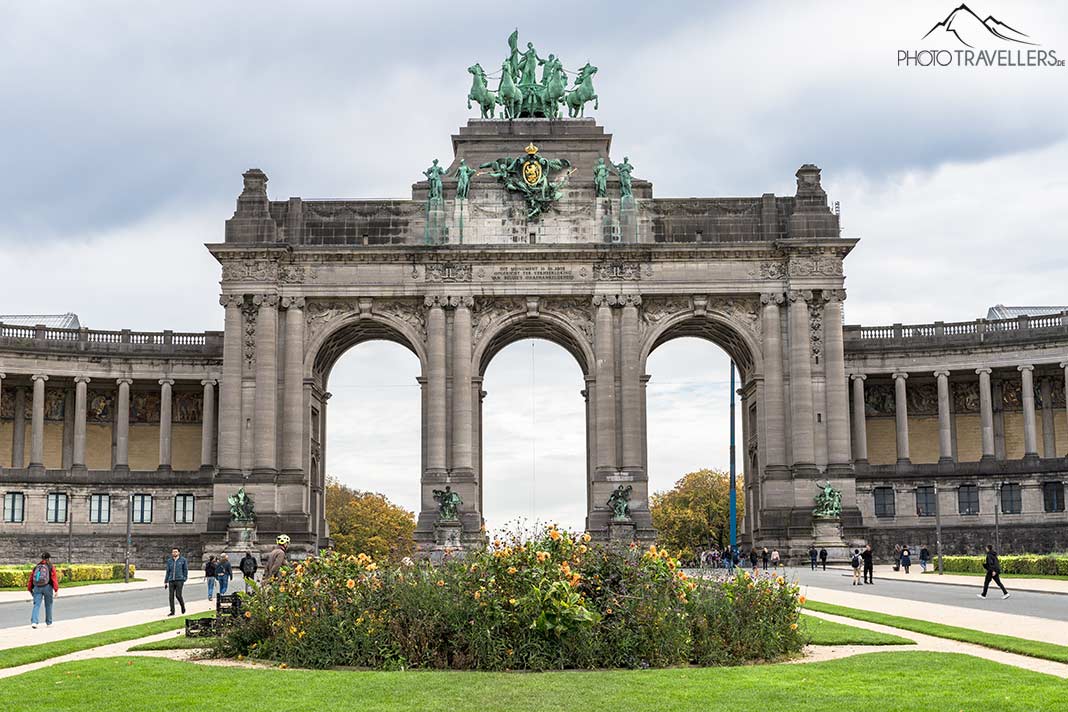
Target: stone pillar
(837,387)
(462,403)
(1049,433)
(1027,385)
(901,417)
(265,435)
(37,422)
(207,427)
(122,426)
(18,429)
(986,413)
(774,413)
(945,431)
(68,429)
(166,385)
(801,418)
(860,424)
(436,387)
(230,423)
(630,386)
(293,415)
(605,387)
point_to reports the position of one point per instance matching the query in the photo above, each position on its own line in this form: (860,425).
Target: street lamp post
(997,525)
(734,482)
(126,555)
(938,528)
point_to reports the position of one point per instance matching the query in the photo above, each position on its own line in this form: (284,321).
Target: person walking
(823,558)
(224,573)
(175,578)
(925,556)
(897,557)
(209,576)
(764,557)
(43,585)
(906,558)
(775,559)
(812,554)
(753,559)
(728,560)
(993,573)
(854,561)
(869,568)
(277,558)
(248,568)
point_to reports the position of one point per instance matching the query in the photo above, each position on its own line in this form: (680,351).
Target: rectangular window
(56,511)
(968,499)
(1011,501)
(183,508)
(925,501)
(1053,496)
(99,508)
(884,501)
(13,506)
(142,508)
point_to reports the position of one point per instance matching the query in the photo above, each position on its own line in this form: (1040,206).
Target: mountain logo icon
(970,30)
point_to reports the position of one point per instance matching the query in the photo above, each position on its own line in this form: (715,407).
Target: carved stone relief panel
(922,399)
(488,312)
(879,399)
(576,310)
(965,397)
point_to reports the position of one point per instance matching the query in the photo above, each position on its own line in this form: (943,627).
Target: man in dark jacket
(175,578)
(248,567)
(869,567)
(43,584)
(823,558)
(812,554)
(224,573)
(277,558)
(993,572)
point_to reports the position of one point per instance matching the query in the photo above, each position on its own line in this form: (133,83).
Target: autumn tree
(367,522)
(694,515)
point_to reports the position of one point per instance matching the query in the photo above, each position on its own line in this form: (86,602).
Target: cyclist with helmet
(277,558)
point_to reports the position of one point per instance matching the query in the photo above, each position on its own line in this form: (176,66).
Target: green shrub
(1046,564)
(550,602)
(19,575)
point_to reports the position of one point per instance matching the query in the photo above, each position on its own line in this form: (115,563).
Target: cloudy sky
(127,126)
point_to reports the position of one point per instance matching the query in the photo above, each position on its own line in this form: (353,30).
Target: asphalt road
(1023,603)
(107,603)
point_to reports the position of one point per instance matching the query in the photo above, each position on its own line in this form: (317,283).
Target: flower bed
(1042,565)
(551,602)
(11,576)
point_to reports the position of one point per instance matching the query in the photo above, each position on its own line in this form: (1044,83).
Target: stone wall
(148,551)
(971,540)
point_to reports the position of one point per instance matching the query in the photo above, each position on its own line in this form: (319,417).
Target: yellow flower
(350,583)
(477,595)
(248,614)
(586,537)
(542,556)
(371,566)
(582,549)
(513,601)
(565,569)
(608,611)
(292,630)
(780,580)
(793,626)
(440,582)
(554,534)
(282,666)
(512,569)
(575,579)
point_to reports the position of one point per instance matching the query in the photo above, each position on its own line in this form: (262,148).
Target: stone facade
(455,281)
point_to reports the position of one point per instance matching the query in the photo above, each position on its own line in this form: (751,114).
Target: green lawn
(888,682)
(824,632)
(13,657)
(65,584)
(178,642)
(1020,646)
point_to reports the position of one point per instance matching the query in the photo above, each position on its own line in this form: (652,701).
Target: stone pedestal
(436,229)
(621,532)
(827,534)
(241,535)
(628,220)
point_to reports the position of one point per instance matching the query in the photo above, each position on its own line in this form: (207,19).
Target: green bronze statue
(582,93)
(600,178)
(512,63)
(241,509)
(828,501)
(554,86)
(529,176)
(619,502)
(509,96)
(448,504)
(480,93)
(463,179)
(624,170)
(433,176)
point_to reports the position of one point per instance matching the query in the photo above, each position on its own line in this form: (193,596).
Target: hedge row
(1047,565)
(18,576)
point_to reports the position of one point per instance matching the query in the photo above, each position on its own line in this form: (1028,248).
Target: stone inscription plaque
(532,273)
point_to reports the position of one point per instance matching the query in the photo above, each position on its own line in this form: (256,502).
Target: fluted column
(605,388)
(80,402)
(945,434)
(37,422)
(860,424)
(802,427)
(165,390)
(986,413)
(462,404)
(774,413)
(18,429)
(1027,385)
(630,387)
(436,386)
(122,426)
(1049,433)
(293,414)
(837,387)
(901,417)
(265,435)
(207,426)
(230,426)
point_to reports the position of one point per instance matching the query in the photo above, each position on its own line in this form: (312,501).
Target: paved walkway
(1035,585)
(152,579)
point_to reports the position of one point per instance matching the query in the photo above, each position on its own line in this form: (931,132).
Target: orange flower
(586,537)
(793,626)
(554,534)
(575,579)
(440,582)
(248,614)
(350,583)
(801,600)
(512,569)
(542,556)
(477,595)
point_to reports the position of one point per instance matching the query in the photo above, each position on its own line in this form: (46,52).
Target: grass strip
(925,680)
(825,632)
(1006,643)
(72,584)
(25,654)
(178,642)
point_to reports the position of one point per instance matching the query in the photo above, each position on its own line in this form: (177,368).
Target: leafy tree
(367,523)
(693,516)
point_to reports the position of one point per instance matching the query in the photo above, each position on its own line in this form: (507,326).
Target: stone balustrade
(979,331)
(96,341)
